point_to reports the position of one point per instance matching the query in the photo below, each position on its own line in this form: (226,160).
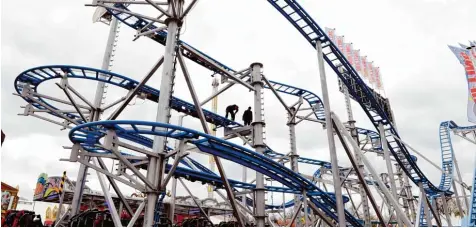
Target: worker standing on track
(247,116)
(232,110)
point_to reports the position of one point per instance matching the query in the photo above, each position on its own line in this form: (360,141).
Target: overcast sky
(406,39)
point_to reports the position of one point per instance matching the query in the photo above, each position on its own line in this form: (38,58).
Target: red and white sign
(348,53)
(331,33)
(340,43)
(357,62)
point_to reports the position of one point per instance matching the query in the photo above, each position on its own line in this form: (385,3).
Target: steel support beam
(295,215)
(340,130)
(136,214)
(83,168)
(203,122)
(446,211)
(434,210)
(391,175)
(293,156)
(215,65)
(107,196)
(330,136)
(195,200)
(372,171)
(460,180)
(134,91)
(425,204)
(428,160)
(156,168)
(278,96)
(178,157)
(189,7)
(229,85)
(258,141)
(107,173)
(321,214)
(116,189)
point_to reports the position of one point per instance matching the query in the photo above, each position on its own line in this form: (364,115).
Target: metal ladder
(111,60)
(159,206)
(263,115)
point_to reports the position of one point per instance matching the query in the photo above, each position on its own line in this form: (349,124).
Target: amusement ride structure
(161,148)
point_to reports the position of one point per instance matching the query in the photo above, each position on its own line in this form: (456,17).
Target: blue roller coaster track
(35,76)
(312,32)
(447,150)
(298,17)
(89,134)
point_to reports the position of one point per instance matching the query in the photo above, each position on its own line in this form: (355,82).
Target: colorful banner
(340,43)
(469,62)
(348,53)
(357,62)
(50,187)
(370,68)
(331,33)
(378,79)
(365,70)
(360,64)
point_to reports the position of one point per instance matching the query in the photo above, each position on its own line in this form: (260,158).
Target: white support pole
(107,196)
(391,176)
(446,211)
(355,135)
(374,173)
(203,122)
(136,214)
(258,143)
(174,180)
(211,160)
(304,202)
(156,169)
(293,156)
(460,180)
(425,205)
(81,178)
(330,137)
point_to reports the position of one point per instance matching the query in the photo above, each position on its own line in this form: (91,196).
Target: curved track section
(35,76)
(311,31)
(447,148)
(89,134)
(446,155)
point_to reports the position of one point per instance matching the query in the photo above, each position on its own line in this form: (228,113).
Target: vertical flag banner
(357,64)
(331,33)
(364,67)
(464,57)
(348,53)
(378,78)
(340,43)
(370,69)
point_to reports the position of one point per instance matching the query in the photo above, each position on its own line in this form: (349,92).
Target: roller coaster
(144,145)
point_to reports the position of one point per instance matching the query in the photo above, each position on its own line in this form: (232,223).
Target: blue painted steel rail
(447,149)
(37,75)
(89,134)
(311,31)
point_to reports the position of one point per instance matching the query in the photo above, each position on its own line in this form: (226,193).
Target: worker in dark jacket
(232,110)
(247,116)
